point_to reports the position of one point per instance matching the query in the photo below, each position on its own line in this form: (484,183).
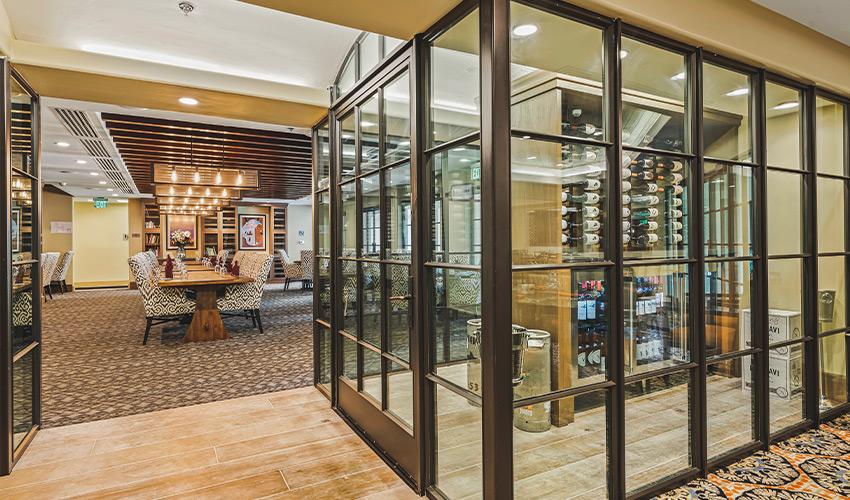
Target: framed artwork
(16,229)
(188,223)
(252,232)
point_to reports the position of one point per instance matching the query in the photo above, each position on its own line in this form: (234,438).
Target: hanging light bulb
(202,201)
(174,174)
(239,179)
(197,177)
(215,201)
(185,201)
(190,190)
(171,200)
(208,191)
(224,192)
(218,177)
(171,190)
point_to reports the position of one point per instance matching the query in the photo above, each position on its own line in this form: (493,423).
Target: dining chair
(307,268)
(291,270)
(237,257)
(48,265)
(61,272)
(221,258)
(243,299)
(162,305)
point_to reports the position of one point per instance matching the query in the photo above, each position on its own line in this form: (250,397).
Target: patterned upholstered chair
(48,265)
(291,270)
(61,271)
(307,268)
(161,304)
(243,299)
(221,258)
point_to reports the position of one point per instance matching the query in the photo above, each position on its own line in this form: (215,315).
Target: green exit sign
(101,202)
(476,173)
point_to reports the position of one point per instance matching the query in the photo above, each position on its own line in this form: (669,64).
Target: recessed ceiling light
(525,30)
(531,158)
(114,194)
(110,189)
(464,160)
(62,144)
(680,76)
(623,54)
(191,101)
(786,105)
(367,124)
(738,92)
(93,173)
(81,162)
(102,182)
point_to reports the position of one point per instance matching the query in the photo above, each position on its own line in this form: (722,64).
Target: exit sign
(476,173)
(101,202)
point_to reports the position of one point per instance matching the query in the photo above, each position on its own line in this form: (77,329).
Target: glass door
(374,257)
(20,348)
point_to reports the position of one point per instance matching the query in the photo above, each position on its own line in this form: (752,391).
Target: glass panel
(398,314)
(324,286)
(560,446)
(785,283)
(786,386)
(654,84)
(372,374)
(729,209)
(390,44)
(325,358)
(656,328)
(369,126)
(833,370)
(324,163)
(347,77)
(829,135)
(400,392)
(22,214)
(455,82)
(563,317)
(22,137)
(23,397)
(728,324)
(457,327)
(324,208)
(399,216)
(831,215)
(556,74)
(558,194)
(22,299)
(371,283)
(726,114)
(784,213)
(730,406)
(348,149)
(657,433)
(350,282)
(832,293)
(349,359)
(370,196)
(349,220)
(397,110)
(783,126)
(458,446)
(655,206)
(456,212)
(370,53)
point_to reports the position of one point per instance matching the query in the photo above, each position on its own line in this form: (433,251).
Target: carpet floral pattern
(812,466)
(95,366)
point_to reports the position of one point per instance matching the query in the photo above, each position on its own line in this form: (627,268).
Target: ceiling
(829,17)
(73,168)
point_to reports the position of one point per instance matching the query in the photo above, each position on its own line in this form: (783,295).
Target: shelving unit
(153,229)
(278,216)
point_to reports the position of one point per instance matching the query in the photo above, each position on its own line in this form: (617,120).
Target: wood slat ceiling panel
(284,160)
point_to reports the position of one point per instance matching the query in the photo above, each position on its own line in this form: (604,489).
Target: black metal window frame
(495,136)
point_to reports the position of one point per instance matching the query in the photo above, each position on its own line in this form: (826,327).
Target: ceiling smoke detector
(186,7)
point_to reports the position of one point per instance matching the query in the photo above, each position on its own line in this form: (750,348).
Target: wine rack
(652,202)
(278,242)
(581,200)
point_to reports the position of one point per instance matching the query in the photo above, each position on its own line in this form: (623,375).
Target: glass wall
(677,226)
(366,53)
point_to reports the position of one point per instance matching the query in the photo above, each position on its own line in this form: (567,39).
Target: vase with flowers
(180,239)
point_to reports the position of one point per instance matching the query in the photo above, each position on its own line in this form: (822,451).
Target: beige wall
(100,250)
(299,218)
(57,208)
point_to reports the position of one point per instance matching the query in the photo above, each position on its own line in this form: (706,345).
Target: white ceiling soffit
(829,17)
(232,39)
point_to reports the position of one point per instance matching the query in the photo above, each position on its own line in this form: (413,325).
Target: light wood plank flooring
(284,445)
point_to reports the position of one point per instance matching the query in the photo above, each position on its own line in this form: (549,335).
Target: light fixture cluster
(199,190)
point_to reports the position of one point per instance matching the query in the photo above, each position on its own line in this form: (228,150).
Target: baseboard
(100,284)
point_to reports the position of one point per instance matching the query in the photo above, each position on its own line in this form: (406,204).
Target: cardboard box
(782,326)
(785,379)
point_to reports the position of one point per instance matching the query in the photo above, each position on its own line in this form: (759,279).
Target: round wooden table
(206,322)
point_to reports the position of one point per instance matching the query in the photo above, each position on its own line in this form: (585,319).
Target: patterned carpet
(812,466)
(95,366)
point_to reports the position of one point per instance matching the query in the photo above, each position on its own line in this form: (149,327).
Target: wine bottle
(645,200)
(591,239)
(626,225)
(676,225)
(648,188)
(581,198)
(627,174)
(673,214)
(590,211)
(670,165)
(625,161)
(587,184)
(643,163)
(674,238)
(643,176)
(675,189)
(676,202)
(626,199)
(646,225)
(626,212)
(627,186)
(588,225)
(645,239)
(676,178)
(626,239)
(645,212)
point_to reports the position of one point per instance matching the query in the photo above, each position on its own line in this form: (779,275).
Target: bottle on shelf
(586,184)
(675,190)
(587,225)
(670,165)
(626,199)
(626,225)
(590,211)
(645,200)
(676,202)
(646,225)
(645,212)
(647,188)
(581,198)
(627,186)
(674,238)
(673,214)
(643,163)
(644,239)
(626,212)
(676,225)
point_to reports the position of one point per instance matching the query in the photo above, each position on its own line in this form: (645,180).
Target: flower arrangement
(181,238)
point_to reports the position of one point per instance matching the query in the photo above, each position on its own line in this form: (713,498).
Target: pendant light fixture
(174,174)
(190,190)
(171,190)
(208,192)
(239,179)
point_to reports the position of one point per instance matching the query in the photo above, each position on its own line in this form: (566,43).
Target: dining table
(206,322)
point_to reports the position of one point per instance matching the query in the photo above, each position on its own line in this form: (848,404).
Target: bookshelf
(152,234)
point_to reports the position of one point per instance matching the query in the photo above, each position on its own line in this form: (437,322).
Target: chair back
(48,265)
(237,257)
(307,264)
(222,256)
(263,266)
(284,257)
(61,271)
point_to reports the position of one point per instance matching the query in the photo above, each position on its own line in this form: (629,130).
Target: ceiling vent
(88,133)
